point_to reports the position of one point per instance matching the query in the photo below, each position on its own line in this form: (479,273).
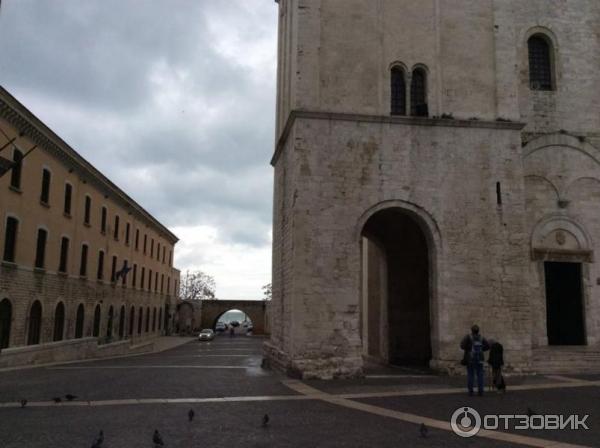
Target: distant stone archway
(255,309)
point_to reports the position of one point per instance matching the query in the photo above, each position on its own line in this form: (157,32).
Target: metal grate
(540,65)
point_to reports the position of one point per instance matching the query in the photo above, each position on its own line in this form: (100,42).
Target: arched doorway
(122,322)
(59,322)
(396,324)
(5,323)
(79,321)
(35,323)
(233,318)
(97,316)
(109,324)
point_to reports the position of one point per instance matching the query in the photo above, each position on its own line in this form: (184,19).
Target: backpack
(476,349)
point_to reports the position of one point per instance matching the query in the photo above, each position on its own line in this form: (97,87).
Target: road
(222,381)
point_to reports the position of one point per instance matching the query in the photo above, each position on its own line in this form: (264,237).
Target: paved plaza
(223,382)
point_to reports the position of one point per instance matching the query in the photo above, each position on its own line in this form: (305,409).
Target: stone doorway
(396,289)
(564,303)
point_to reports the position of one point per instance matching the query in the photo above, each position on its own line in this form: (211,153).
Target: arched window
(79,321)
(5,322)
(59,322)
(398,91)
(140,313)
(540,62)
(131,320)
(147,319)
(154,320)
(35,323)
(418,93)
(109,324)
(122,322)
(159,318)
(97,316)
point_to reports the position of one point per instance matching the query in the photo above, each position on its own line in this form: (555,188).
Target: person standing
(473,346)
(496,361)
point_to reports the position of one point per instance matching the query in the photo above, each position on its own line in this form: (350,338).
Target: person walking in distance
(473,346)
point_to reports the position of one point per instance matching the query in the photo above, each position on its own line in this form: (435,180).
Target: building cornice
(35,130)
(386,119)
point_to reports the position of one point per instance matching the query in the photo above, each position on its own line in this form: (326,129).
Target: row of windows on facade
(15,183)
(40,260)
(34,322)
(540,78)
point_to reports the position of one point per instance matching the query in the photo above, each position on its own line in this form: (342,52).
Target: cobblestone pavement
(128,398)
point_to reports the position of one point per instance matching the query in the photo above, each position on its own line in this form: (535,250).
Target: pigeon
(157,439)
(57,400)
(423,430)
(23,402)
(70,397)
(191,414)
(265,420)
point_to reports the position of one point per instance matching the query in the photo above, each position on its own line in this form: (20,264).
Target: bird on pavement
(57,399)
(157,439)
(191,414)
(70,397)
(99,440)
(265,420)
(23,402)
(423,430)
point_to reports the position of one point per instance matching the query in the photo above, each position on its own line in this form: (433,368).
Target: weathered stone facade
(499,179)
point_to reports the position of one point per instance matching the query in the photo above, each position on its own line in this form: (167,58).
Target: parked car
(234,323)
(220,327)
(206,335)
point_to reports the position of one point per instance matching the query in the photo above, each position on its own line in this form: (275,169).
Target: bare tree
(267,292)
(196,285)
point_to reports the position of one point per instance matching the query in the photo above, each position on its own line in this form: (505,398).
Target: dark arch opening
(131,320)
(59,322)
(396,288)
(109,323)
(159,319)
(5,323)
(235,314)
(79,321)
(147,319)
(35,323)
(97,316)
(122,322)
(154,320)
(140,314)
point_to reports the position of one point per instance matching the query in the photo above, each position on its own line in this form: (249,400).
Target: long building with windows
(80,258)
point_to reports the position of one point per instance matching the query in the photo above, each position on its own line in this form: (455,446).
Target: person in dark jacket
(473,346)
(496,361)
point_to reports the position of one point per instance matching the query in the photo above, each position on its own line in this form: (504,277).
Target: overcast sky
(174,101)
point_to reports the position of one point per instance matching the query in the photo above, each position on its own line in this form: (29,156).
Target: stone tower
(436,166)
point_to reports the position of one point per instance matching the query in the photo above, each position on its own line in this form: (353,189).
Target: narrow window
(116,232)
(59,322)
(113,269)
(122,322)
(140,313)
(40,249)
(79,321)
(131,320)
(163,255)
(398,87)
(100,275)
(170,258)
(87,210)
(134,280)
(64,254)
(35,323)
(68,196)
(142,278)
(145,243)
(10,239)
(103,221)
(162,282)
(124,274)
(45,195)
(154,320)
(156,282)
(149,279)
(418,93)
(97,316)
(147,319)
(15,174)
(137,239)
(540,63)
(158,252)
(5,322)
(152,248)
(159,318)
(127,228)
(83,264)
(498,193)
(168,285)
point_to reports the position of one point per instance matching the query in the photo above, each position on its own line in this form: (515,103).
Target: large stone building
(80,258)
(437,165)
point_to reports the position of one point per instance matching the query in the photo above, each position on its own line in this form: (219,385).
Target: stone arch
(559,233)
(562,140)
(422,223)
